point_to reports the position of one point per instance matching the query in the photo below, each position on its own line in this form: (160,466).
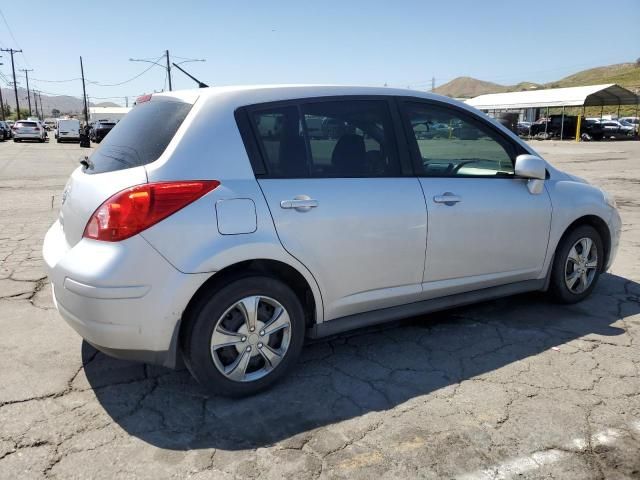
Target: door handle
(301,204)
(447,198)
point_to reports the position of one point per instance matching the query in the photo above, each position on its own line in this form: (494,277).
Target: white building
(111,114)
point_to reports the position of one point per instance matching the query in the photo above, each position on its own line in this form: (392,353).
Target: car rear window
(26,124)
(140,137)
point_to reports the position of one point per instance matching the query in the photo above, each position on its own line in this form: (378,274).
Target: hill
(624,74)
(64,103)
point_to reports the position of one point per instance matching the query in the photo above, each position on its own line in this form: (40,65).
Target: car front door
(485,228)
(343,201)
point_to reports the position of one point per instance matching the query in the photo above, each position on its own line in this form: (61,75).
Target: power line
(9,29)
(125,81)
(13,68)
(14,38)
(56,81)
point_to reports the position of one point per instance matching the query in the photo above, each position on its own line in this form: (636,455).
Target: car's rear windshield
(140,137)
(26,124)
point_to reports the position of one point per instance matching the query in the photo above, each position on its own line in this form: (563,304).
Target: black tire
(16,140)
(558,287)
(203,318)
(58,140)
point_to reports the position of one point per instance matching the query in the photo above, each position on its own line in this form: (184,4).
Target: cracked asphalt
(514,388)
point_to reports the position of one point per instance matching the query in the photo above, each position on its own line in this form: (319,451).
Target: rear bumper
(123,298)
(28,136)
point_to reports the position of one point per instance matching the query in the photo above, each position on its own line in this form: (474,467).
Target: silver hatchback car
(219,227)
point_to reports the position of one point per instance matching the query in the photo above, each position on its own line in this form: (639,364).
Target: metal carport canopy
(589,96)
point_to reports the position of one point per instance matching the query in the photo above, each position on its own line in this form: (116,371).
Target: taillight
(143,98)
(137,208)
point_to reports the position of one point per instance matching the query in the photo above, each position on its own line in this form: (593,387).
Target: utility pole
(15,83)
(26,74)
(1,101)
(41,107)
(35,100)
(168,69)
(433,83)
(84,94)
(126,102)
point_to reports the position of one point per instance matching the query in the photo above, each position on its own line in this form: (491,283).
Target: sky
(398,43)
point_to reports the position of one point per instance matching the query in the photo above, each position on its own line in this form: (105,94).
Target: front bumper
(123,298)
(615,228)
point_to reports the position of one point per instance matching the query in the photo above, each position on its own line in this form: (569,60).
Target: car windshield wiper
(86,163)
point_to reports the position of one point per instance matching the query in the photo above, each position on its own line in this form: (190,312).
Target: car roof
(241,95)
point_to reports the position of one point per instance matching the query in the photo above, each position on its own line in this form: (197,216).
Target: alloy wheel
(251,338)
(581,265)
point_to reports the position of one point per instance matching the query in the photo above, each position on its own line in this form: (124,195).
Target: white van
(68,129)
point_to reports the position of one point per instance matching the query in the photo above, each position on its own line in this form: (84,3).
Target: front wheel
(245,336)
(577,265)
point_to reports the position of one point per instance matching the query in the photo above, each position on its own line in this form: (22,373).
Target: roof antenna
(200,84)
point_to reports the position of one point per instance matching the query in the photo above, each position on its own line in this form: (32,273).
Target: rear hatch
(27,127)
(69,128)
(118,163)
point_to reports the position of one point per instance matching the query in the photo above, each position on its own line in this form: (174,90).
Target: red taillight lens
(143,98)
(137,208)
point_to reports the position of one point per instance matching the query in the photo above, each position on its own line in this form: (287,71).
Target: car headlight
(609,199)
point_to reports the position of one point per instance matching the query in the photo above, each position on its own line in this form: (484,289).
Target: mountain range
(63,103)
(624,74)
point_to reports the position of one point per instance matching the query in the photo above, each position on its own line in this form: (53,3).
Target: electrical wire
(125,81)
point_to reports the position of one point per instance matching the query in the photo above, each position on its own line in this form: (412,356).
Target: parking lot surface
(514,388)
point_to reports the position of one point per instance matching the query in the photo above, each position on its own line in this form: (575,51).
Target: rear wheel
(245,336)
(577,265)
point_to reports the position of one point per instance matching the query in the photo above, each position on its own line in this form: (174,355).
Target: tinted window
(328,139)
(351,139)
(451,144)
(140,137)
(26,124)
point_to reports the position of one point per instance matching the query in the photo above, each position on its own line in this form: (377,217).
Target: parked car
(28,130)
(524,128)
(635,121)
(5,131)
(99,130)
(203,234)
(553,127)
(68,129)
(615,129)
(50,124)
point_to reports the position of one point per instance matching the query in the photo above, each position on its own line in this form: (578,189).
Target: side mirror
(531,167)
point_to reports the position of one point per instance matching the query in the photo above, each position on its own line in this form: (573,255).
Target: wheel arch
(601,227)
(281,270)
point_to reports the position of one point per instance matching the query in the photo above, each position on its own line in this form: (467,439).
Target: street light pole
(168,70)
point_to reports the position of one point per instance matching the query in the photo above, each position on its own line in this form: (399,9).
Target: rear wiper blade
(86,163)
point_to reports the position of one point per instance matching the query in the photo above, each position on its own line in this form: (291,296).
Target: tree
(55,113)
(7,109)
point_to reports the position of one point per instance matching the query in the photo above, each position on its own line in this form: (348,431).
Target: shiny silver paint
(360,244)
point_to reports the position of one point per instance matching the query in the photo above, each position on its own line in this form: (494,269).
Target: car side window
(328,139)
(352,138)
(281,139)
(450,144)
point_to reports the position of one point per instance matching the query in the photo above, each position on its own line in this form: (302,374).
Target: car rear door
(343,200)
(485,227)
